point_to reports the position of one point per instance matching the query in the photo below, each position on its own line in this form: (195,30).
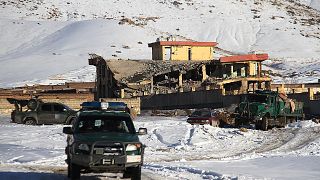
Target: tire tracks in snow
(176,170)
(44,172)
(302,137)
(185,141)
(188,136)
(160,139)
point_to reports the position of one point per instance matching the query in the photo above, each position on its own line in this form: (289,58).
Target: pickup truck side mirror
(67,130)
(142,131)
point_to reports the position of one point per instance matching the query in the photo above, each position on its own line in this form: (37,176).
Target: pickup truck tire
(133,172)
(74,171)
(30,121)
(258,125)
(70,121)
(69,166)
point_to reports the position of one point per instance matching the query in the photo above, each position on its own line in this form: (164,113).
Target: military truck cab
(266,109)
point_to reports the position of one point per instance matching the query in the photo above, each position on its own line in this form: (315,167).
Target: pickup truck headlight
(82,148)
(133,153)
(133,149)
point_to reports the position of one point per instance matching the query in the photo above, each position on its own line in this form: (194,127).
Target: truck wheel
(133,172)
(69,166)
(71,121)
(265,124)
(74,171)
(30,121)
(258,125)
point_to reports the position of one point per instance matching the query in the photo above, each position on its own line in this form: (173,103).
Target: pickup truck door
(60,113)
(45,113)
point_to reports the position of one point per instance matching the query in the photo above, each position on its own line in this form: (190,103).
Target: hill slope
(42,39)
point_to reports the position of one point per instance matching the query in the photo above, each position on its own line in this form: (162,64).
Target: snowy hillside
(43,40)
(312,3)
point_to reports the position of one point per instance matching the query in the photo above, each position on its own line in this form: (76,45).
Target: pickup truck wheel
(69,166)
(30,121)
(69,171)
(71,121)
(133,172)
(74,171)
(258,125)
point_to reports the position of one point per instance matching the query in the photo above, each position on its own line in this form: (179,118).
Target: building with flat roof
(182,50)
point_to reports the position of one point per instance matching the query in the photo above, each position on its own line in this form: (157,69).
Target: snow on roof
(182,43)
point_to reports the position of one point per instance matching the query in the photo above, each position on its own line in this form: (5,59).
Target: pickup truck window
(46,107)
(58,108)
(105,124)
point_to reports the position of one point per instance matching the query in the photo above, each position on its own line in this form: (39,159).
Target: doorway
(167,55)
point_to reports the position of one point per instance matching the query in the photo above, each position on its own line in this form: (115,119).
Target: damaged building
(179,67)
(136,78)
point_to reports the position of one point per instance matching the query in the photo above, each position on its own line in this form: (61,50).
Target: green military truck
(103,139)
(266,109)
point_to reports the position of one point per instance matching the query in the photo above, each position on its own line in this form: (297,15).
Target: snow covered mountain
(46,41)
(315,4)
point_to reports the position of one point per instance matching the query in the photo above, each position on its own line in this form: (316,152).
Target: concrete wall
(310,106)
(183,100)
(213,99)
(180,53)
(314,107)
(201,53)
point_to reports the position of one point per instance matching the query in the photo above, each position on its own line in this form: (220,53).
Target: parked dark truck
(104,140)
(39,112)
(267,109)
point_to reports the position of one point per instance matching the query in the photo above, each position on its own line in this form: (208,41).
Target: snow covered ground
(175,150)
(48,41)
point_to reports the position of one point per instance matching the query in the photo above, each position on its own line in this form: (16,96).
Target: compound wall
(188,100)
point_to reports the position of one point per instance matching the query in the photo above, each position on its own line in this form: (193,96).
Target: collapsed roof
(133,71)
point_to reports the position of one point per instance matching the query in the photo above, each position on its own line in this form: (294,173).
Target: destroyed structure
(133,78)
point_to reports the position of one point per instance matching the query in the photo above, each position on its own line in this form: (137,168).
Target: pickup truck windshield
(87,124)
